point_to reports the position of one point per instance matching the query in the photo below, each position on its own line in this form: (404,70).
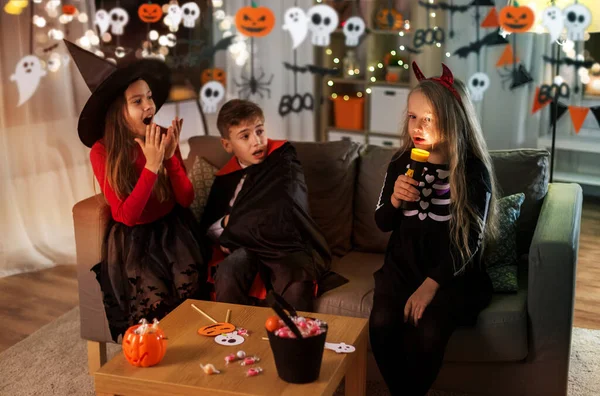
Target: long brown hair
(121,154)
(461,134)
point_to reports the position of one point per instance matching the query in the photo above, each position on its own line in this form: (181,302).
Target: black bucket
(298,360)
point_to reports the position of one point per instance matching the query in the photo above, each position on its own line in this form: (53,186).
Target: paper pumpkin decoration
(214,330)
(516,19)
(229,339)
(191,13)
(144,350)
(214,74)
(253,21)
(577,19)
(118,19)
(27,75)
(150,13)
(295,22)
(553,20)
(102,20)
(210,95)
(354,28)
(478,83)
(69,9)
(322,21)
(389,18)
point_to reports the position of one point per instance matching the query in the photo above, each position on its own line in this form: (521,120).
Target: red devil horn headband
(447,79)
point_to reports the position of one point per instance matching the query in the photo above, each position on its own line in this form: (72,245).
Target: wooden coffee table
(179,372)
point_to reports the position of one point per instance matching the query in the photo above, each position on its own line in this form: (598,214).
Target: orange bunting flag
(507,57)
(491,20)
(537,105)
(578,115)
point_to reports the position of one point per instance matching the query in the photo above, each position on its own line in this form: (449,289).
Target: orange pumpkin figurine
(254,21)
(144,345)
(516,19)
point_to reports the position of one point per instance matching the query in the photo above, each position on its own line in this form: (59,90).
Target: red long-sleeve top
(141,206)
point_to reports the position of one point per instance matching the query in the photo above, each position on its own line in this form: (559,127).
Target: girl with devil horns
(432,279)
(152,259)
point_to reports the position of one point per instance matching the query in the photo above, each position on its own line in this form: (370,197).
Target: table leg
(356,375)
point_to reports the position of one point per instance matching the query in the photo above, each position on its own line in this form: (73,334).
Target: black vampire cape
(271,219)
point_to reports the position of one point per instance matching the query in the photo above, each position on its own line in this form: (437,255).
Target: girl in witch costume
(151,256)
(432,279)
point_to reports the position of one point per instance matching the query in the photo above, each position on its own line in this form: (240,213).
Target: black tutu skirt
(148,270)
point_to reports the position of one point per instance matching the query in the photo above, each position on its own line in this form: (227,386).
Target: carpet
(53,361)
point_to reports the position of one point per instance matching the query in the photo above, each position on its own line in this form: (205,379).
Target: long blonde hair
(121,154)
(461,132)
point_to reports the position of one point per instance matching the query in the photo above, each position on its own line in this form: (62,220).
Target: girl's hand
(404,190)
(153,147)
(418,302)
(173,134)
(226,220)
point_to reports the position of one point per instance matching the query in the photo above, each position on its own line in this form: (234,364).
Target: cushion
(330,174)
(503,251)
(525,171)
(373,164)
(202,176)
(504,279)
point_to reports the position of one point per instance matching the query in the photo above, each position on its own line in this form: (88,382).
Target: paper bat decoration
(311,69)
(490,39)
(444,6)
(209,52)
(569,62)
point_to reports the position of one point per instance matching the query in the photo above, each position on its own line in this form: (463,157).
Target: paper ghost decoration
(354,28)
(28,73)
(554,22)
(174,15)
(577,18)
(210,95)
(478,84)
(322,21)
(340,348)
(118,19)
(102,20)
(190,13)
(296,23)
(229,339)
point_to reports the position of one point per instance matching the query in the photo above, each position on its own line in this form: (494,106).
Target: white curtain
(44,168)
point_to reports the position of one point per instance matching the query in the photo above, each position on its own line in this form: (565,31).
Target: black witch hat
(107,81)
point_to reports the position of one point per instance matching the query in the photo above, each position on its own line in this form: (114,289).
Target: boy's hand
(226,220)
(225,250)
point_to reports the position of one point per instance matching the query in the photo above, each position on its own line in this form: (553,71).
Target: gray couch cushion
(525,171)
(500,333)
(208,147)
(330,172)
(373,164)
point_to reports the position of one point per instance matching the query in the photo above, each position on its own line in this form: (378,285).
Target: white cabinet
(340,135)
(384,141)
(387,110)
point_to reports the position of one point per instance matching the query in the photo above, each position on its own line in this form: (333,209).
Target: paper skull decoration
(150,13)
(229,339)
(577,18)
(354,28)
(102,20)
(144,350)
(191,13)
(478,84)
(322,21)
(516,19)
(254,21)
(214,74)
(210,95)
(296,23)
(118,19)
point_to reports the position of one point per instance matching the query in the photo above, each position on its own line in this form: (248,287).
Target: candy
(250,361)
(241,354)
(308,327)
(209,369)
(243,332)
(230,358)
(253,372)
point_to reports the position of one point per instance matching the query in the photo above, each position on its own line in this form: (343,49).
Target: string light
(336,60)
(447,54)
(330,83)
(328,51)
(371,68)
(368,90)
(334,95)
(359,94)
(380,65)
(346,97)
(373,79)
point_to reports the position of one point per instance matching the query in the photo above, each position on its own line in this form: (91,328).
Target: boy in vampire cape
(257,215)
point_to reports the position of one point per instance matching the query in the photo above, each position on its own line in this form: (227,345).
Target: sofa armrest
(90,219)
(551,288)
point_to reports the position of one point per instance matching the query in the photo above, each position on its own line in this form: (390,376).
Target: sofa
(521,342)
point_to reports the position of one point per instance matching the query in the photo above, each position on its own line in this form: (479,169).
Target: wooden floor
(29,301)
